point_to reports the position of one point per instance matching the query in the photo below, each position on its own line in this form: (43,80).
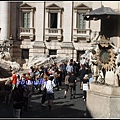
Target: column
(74,26)
(31,19)
(46,19)
(75,19)
(31,25)
(58,25)
(5,20)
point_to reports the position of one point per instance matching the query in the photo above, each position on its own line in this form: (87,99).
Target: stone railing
(81,31)
(53,31)
(26,30)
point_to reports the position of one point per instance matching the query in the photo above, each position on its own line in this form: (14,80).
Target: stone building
(50,27)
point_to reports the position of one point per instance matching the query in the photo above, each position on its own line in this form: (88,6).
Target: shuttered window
(81,22)
(26,19)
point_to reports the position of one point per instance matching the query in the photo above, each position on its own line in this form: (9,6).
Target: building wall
(38,44)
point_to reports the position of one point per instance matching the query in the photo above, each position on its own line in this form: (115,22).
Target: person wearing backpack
(72,84)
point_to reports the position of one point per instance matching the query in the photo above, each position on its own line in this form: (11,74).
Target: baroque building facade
(50,27)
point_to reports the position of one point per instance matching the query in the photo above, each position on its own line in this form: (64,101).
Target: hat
(86,76)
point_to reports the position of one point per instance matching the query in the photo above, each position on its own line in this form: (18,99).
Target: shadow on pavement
(57,111)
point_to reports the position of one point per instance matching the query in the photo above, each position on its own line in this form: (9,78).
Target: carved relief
(105,55)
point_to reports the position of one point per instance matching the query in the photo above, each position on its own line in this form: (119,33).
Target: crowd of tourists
(45,79)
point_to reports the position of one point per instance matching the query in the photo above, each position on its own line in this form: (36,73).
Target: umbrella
(101,13)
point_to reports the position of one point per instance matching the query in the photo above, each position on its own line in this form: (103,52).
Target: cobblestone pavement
(62,107)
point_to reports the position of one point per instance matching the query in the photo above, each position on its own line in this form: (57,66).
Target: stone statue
(94,65)
(5,58)
(117,75)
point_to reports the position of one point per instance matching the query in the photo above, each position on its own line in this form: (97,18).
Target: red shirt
(14,79)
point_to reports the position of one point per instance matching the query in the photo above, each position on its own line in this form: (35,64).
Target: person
(36,82)
(29,82)
(59,78)
(72,84)
(23,79)
(85,82)
(83,61)
(43,89)
(14,79)
(66,84)
(56,80)
(63,67)
(81,74)
(8,91)
(21,90)
(25,97)
(49,91)
(17,102)
(75,67)
(18,80)
(91,79)
(69,67)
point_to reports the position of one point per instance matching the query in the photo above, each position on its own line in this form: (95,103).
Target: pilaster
(5,19)
(67,26)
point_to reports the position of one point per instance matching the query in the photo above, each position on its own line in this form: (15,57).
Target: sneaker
(84,99)
(43,105)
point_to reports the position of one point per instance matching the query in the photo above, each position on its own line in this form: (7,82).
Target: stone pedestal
(103,101)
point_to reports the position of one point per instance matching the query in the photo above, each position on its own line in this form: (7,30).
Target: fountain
(6,65)
(103,97)
(41,60)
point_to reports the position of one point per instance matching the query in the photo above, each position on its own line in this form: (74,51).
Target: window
(53,20)
(25,53)
(52,52)
(26,19)
(81,23)
(79,11)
